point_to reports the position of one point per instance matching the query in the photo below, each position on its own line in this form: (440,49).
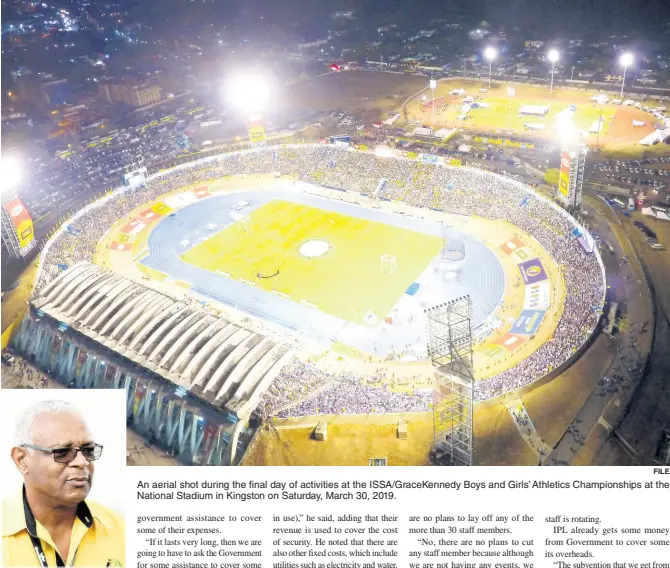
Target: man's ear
(20,459)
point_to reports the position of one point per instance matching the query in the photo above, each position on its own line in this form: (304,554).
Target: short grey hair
(25,425)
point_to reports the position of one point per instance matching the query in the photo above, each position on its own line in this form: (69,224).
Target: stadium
(291,282)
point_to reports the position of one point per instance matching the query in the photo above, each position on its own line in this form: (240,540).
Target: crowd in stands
(461,191)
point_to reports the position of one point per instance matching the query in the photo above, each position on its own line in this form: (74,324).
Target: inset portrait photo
(62,463)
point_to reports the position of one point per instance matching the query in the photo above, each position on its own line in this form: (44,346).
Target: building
(132,94)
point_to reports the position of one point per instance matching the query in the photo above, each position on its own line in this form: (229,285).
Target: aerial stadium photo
(351,262)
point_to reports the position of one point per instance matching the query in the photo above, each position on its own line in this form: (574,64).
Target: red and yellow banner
(122,247)
(150,215)
(564,178)
(23,224)
(201,192)
(134,226)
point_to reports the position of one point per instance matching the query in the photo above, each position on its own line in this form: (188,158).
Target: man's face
(62,483)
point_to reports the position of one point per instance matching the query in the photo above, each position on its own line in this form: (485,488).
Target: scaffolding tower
(450,352)
(577,155)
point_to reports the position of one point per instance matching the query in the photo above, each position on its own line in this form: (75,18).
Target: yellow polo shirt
(98,536)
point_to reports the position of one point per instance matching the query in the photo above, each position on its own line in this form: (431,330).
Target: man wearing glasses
(49,523)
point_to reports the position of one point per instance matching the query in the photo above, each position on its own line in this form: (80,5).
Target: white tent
(534,110)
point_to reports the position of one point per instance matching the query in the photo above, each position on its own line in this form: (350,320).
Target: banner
(511,342)
(455,162)
(532,271)
(149,215)
(23,224)
(133,227)
(528,322)
(537,296)
(257,134)
(514,244)
(201,192)
(121,247)
(564,179)
(428,158)
(160,208)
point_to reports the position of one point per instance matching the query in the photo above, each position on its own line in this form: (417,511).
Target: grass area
(636,152)
(346,281)
(503,111)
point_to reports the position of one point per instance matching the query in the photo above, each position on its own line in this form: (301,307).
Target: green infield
(343,265)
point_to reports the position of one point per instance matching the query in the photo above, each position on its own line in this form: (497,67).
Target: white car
(657,246)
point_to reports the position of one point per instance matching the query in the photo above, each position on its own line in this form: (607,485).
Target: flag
(524,202)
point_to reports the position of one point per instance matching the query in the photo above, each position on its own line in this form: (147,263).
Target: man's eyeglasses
(66,455)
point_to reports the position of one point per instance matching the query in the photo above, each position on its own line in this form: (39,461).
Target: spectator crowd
(462,191)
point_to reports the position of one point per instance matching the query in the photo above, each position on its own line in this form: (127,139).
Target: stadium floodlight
(625,60)
(553,57)
(566,130)
(10,173)
(250,93)
(490,54)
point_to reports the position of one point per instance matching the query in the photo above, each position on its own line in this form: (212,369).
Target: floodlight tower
(450,352)
(433,85)
(17,226)
(553,57)
(490,54)
(626,60)
(251,94)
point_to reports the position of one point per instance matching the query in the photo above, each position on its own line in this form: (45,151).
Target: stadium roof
(221,363)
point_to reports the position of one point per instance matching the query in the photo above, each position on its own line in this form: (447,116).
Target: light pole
(600,125)
(626,60)
(572,74)
(433,84)
(490,54)
(553,57)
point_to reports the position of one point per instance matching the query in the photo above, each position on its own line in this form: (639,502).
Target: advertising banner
(132,227)
(514,244)
(149,215)
(564,179)
(428,158)
(201,192)
(537,296)
(510,341)
(412,155)
(161,208)
(532,271)
(256,134)
(455,162)
(121,247)
(23,224)
(528,322)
